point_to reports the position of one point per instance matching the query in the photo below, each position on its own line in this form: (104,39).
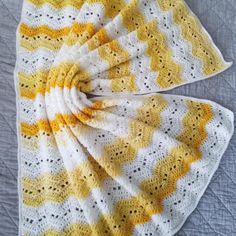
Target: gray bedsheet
(216,212)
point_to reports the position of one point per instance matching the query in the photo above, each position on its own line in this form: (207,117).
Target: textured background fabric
(216,212)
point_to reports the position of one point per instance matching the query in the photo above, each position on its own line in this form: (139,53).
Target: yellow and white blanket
(129,160)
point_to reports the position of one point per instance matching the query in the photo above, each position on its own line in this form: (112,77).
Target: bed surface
(216,211)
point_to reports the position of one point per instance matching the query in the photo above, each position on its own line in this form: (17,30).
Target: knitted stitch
(129,161)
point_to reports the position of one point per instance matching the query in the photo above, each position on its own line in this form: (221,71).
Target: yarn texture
(101,151)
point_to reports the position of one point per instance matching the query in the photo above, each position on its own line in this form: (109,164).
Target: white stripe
(32,61)
(56,19)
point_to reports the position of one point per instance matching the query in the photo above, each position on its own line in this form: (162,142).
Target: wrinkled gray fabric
(216,212)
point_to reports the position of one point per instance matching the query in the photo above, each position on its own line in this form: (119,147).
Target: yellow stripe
(72,230)
(113,53)
(27,31)
(112,8)
(100,38)
(43,36)
(138,210)
(30,45)
(191,29)
(132,17)
(31,85)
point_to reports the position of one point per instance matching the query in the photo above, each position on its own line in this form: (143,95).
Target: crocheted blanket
(100,151)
